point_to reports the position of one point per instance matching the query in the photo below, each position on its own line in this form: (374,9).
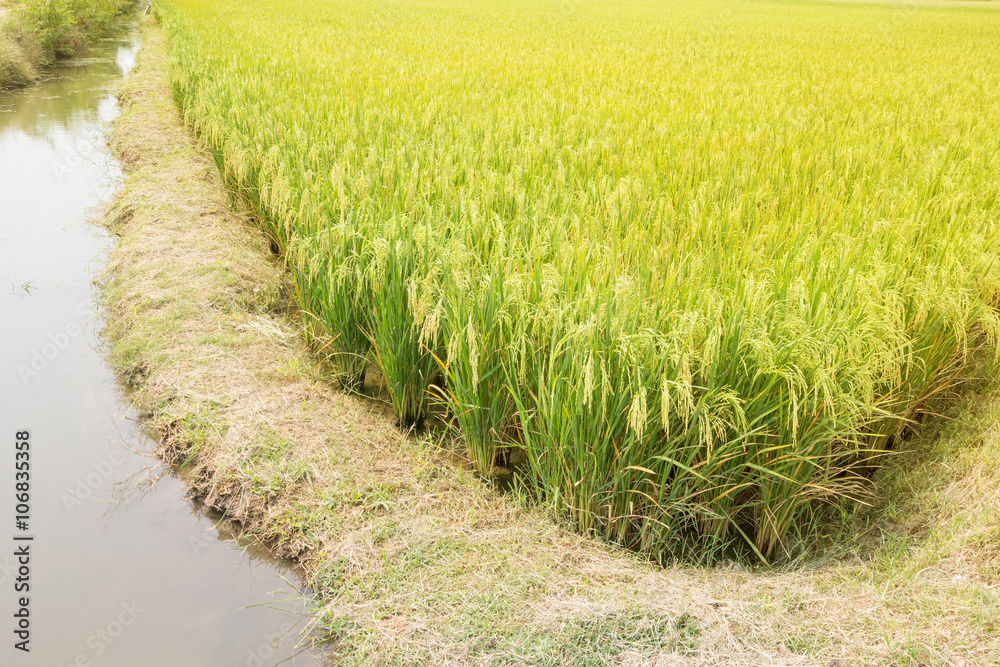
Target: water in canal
(118,574)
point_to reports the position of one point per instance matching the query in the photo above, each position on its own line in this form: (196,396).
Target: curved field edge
(414,562)
(37,33)
(698,260)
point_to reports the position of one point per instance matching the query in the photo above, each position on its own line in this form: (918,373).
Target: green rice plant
(705,263)
(480,337)
(402,344)
(339,298)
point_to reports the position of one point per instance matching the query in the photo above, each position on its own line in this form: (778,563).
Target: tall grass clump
(703,263)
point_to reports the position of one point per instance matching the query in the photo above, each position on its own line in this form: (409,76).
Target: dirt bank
(413,560)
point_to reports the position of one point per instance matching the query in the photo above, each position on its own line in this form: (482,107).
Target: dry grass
(19,54)
(415,561)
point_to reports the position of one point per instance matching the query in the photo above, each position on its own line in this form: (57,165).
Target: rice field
(703,262)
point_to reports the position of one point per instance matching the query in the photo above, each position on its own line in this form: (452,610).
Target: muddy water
(121,573)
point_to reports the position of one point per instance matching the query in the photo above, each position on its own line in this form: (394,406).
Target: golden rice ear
(691,293)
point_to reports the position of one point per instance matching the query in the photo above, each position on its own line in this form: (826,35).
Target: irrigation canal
(121,573)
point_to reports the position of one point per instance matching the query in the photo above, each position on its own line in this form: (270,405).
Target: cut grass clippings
(415,561)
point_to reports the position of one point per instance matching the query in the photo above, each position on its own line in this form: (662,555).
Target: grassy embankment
(36,33)
(413,560)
